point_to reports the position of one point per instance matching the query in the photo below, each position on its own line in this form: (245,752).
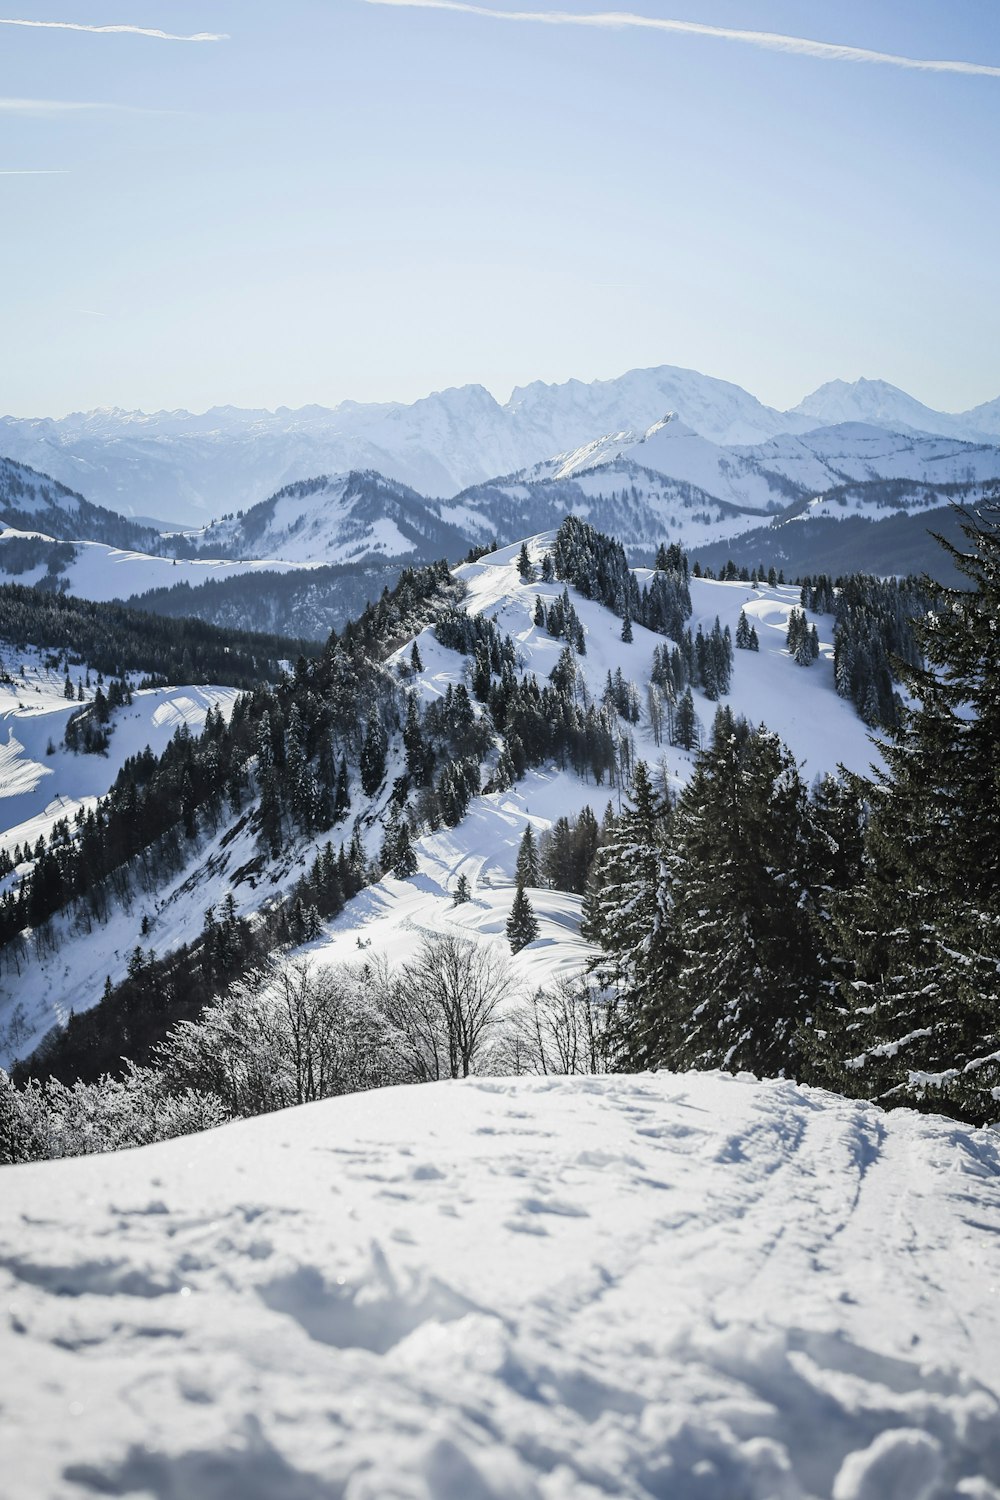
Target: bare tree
(568,1029)
(287,1034)
(447,1003)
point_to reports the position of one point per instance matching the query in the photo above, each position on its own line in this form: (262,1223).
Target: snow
(38,789)
(688,1286)
(100,572)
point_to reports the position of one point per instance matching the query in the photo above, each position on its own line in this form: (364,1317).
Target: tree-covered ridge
(30,501)
(283,757)
(116,639)
(305,603)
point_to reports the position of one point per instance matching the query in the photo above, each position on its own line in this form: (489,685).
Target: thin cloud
(45,107)
(33,172)
(160,36)
(771,41)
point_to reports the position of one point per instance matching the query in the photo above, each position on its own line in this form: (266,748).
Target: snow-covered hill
(40,780)
(96,571)
(190,466)
(688,1286)
(640,507)
(337,519)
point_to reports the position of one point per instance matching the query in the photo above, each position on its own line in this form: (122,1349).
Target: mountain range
(188,467)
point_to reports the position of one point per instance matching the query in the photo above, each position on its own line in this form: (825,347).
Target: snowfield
(693,1287)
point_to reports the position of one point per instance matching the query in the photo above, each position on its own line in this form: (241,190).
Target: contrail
(772,41)
(62,106)
(33,172)
(161,36)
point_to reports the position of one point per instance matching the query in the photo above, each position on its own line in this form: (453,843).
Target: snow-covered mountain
(883,405)
(562,417)
(640,507)
(336,519)
(684,1285)
(857,451)
(189,466)
(672,448)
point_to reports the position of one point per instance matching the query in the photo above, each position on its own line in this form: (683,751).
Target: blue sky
(345,199)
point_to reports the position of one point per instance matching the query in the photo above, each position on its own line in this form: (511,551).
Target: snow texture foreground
(672,1286)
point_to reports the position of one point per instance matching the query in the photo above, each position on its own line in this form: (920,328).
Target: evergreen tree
(524,565)
(462,891)
(373,753)
(522,924)
(527,870)
(742,909)
(918,1020)
(416,664)
(624,913)
(405,863)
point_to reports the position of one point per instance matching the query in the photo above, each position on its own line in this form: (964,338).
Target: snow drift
(690,1286)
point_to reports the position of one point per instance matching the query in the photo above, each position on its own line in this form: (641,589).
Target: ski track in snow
(692,1287)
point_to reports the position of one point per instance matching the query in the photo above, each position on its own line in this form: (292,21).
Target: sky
(330,199)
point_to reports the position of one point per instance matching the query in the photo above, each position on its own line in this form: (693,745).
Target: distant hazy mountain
(884,405)
(196,466)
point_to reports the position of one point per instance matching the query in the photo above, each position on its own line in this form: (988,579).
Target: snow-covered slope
(832,456)
(883,405)
(100,572)
(38,784)
(337,519)
(687,1286)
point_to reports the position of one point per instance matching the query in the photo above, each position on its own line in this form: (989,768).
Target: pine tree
(918,1020)
(522,924)
(373,753)
(406,859)
(462,891)
(624,914)
(743,633)
(742,908)
(627,629)
(416,665)
(527,870)
(524,565)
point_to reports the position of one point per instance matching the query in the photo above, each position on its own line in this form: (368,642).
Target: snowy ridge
(693,1286)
